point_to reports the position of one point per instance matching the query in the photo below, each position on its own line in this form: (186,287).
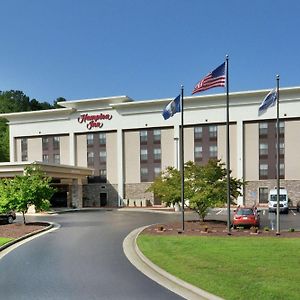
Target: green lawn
(4,241)
(230,267)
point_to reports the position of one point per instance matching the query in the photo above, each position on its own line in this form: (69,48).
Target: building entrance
(103,199)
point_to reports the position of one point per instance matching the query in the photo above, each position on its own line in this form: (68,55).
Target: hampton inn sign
(94,121)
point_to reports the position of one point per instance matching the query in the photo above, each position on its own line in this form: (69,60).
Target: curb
(174,284)
(76,210)
(27,237)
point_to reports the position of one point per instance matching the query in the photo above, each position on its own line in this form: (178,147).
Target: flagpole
(227,150)
(182,159)
(278,162)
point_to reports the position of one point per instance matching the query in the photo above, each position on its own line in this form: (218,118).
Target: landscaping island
(243,265)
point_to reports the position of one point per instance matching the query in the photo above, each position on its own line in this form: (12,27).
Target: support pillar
(76,197)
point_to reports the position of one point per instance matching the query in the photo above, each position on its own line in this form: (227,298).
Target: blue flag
(172,108)
(269,100)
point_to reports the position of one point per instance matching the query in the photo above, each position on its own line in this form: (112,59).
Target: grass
(4,240)
(232,268)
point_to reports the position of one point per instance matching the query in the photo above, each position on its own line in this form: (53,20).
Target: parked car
(8,217)
(246,216)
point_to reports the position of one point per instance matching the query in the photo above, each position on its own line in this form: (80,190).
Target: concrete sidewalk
(143,264)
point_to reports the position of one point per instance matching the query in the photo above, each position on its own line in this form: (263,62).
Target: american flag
(214,79)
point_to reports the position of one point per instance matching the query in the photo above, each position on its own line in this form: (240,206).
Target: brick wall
(91,194)
(251,192)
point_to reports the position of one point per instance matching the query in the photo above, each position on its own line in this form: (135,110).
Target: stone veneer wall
(251,192)
(91,194)
(136,192)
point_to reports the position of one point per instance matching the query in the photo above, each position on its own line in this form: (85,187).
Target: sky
(80,49)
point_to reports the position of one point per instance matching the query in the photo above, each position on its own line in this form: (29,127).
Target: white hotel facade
(107,151)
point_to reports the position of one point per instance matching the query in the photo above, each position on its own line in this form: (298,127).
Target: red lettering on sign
(92,121)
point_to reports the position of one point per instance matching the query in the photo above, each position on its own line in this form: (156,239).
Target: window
(157,153)
(143,136)
(144,174)
(102,138)
(263,128)
(56,158)
(213,151)
(102,172)
(156,135)
(144,154)
(157,171)
(263,195)
(102,176)
(45,143)
(198,132)
(56,140)
(90,139)
(198,152)
(24,147)
(102,156)
(45,158)
(90,158)
(263,149)
(213,131)
(281,170)
(281,148)
(281,127)
(263,170)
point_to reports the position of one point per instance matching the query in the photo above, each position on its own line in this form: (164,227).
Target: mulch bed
(212,228)
(17,230)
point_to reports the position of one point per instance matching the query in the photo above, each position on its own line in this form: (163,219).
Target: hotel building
(107,151)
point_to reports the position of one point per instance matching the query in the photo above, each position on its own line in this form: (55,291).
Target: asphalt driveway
(83,259)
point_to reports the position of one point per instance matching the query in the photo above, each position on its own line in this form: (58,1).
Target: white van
(283,200)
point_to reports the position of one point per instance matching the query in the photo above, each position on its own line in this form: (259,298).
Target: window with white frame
(102,138)
(263,170)
(45,158)
(156,135)
(144,154)
(56,158)
(102,156)
(263,128)
(213,131)
(198,152)
(263,195)
(198,132)
(143,135)
(90,139)
(263,149)
(157,153)
(157,171)
(213,151)
(56,142)
(90,158)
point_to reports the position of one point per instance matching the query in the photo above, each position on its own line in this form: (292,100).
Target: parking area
(287,221)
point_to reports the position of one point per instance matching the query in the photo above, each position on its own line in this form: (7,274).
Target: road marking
(293,212)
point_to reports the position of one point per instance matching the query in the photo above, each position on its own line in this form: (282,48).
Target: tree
(167,186)
(205,186)
(59,99)
(33,188)
(16,101)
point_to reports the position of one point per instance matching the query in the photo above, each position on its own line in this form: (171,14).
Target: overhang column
(76,193)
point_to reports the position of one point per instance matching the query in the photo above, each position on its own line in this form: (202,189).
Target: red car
(245,216)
